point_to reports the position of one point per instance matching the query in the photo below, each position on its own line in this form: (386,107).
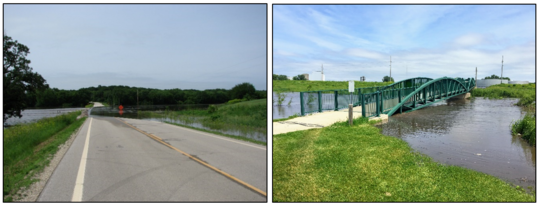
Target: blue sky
(162,46)
(423,40)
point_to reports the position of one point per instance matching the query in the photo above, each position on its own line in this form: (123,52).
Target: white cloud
(469,40)
(365,54)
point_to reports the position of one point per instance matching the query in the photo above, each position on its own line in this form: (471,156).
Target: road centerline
(156,138)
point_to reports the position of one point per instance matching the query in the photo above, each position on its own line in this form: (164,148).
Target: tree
(497,77)
(18,78)
(387,79)
(299,77)
(279,77)
(241,90)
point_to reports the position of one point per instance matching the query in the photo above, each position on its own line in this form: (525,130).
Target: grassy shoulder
(28,148)
(526,127)
(358,163)
(306,85)
(245,117)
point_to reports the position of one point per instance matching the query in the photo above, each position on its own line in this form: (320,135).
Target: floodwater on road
(286,109)
(33,115)
(474,134)
(131,112)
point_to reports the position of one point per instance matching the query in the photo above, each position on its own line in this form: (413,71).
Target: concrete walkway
(318,120)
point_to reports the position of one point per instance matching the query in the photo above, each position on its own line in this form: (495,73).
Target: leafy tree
(241,90)
(18,78)
(387,79)
(279,77)
(299,77)
(497,77)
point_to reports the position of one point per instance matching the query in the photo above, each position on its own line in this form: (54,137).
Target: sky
(422,41)
(161,46)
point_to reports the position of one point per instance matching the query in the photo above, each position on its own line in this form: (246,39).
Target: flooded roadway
(474,134)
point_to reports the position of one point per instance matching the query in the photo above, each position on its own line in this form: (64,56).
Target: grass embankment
(28,148)
(343,163)
(90,105)
(526,127)
(306,85)
(246,117)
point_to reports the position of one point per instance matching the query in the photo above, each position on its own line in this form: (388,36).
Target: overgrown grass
(306,85)
(525,92)
(526,127)
(246,117)
(28,148)
(359,164)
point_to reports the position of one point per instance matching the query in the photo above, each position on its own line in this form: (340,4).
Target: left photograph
(135,103)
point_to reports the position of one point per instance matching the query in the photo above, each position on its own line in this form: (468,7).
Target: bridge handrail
(458,80)
(403,81)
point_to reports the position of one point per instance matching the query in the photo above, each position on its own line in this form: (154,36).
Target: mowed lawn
(358,164)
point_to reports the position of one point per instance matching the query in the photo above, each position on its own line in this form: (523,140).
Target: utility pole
(502,68)
(475,77)
(390,67)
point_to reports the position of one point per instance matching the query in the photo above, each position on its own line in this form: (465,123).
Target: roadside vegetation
(244,116)
(526,127)
(28,149)
(306,85)
(90,105)
(342,163)
(284,119)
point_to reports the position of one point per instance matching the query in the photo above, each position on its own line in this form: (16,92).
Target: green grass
(306,85)
(526,92)
(246,117)
(526,127)
(28,148)
(358,164)
(90,105)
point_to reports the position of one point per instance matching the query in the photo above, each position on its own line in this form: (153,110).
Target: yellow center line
(195,159)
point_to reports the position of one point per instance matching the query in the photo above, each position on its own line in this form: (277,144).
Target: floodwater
(33,115)
(130,112)
(474,134)
(286,109)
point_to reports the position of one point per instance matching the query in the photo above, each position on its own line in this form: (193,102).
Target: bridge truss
(403,96)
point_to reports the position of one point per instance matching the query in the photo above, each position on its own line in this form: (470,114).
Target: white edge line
(210,135)
(78,190)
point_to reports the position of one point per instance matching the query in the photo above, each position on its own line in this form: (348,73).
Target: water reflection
(475,134)
(286,109)
(33,115)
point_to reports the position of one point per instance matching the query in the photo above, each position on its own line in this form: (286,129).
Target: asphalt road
(124,164)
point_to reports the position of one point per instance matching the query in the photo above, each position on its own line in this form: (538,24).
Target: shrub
(240,90)
(212,109)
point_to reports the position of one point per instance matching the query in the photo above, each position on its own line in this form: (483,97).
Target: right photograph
(404,103)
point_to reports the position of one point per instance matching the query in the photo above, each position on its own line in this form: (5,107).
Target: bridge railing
(318,101)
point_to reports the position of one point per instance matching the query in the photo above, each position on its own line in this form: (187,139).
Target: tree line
(24,88)
(125,95)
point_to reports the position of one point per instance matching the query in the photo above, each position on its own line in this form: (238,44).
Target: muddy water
(475,134)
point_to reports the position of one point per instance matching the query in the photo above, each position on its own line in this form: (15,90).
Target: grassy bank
(246,117)
(28,148)
(526,127)
(90,105)
(306,85)
(342,163)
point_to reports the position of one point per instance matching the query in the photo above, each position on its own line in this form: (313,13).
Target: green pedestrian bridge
(403,96)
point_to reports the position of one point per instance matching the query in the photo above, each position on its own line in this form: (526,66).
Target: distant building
(306,75)
(316,76)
